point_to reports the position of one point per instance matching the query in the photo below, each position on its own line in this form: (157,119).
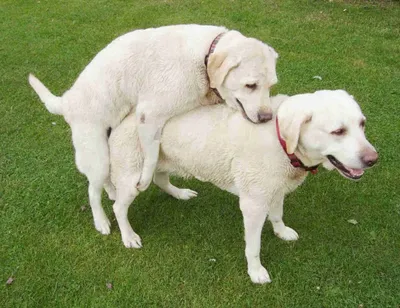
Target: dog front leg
(149,135)
(275,217)
(254,215)
(161,179)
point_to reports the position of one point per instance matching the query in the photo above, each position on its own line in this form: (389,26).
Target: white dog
(254,162)
(159,73)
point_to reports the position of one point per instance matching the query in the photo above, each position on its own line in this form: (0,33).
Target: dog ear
(219,65)
(290,122)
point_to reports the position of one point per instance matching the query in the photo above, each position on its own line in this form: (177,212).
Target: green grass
(49,245)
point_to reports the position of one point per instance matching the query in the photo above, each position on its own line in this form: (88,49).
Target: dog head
(243,70)
(327,127)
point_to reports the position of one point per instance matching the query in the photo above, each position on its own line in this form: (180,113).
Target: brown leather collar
(210,51)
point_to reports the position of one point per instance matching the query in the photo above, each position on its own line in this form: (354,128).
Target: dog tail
(53,103)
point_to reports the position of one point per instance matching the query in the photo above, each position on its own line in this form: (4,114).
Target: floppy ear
(290,122)
(271,55)
(219,65)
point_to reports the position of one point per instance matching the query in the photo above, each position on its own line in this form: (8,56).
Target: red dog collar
(294,160)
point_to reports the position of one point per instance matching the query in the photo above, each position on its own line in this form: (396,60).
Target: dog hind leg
(92,159)
(126,194)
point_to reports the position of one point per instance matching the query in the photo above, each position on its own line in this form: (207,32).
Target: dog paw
(259,276)
(132,240)
(185,194)
(103,225)
(288,234)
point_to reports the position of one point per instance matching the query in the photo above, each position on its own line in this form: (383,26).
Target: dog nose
(370,158)
(264,117)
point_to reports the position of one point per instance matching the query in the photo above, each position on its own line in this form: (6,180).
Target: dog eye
(252,86)
(362,123)
(339,132)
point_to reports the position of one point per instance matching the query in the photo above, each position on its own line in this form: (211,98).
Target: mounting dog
(158,73)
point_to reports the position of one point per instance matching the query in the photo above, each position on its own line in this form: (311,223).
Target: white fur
(159,73)
(215,144)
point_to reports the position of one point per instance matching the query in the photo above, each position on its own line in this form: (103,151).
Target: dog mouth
(244,112)
(350,173)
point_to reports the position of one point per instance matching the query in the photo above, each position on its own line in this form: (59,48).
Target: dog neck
(294,160)
(210,51)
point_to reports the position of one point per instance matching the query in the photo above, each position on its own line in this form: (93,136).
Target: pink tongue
(356,172)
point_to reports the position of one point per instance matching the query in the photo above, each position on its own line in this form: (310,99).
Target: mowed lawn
(193,254)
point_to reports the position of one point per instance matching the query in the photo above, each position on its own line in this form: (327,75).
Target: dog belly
(217,174)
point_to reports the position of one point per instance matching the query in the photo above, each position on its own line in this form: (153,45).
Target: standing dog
(159,73)
(258,163)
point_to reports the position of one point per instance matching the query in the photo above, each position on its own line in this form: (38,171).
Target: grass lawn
(48,244)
